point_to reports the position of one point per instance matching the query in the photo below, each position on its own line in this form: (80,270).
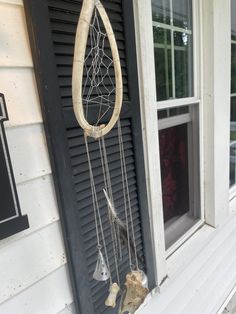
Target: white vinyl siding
(33,270)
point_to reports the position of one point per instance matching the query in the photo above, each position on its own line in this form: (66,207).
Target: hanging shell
(101,272)
(135,292)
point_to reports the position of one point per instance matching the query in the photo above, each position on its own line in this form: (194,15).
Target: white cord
(108,187)
(97,215)
(126,193)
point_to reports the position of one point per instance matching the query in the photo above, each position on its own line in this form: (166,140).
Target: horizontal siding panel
(28,151)
(29,260)
(17,2)
(47,296)
(19,88)
(37,200)
(14,44)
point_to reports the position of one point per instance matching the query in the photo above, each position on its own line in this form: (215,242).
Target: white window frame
(232,191)
(209,92)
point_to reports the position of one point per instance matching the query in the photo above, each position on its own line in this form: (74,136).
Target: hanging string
(97,215)
(110,190)
(108,187)
(126,194)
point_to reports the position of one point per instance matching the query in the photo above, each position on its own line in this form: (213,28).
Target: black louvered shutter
(52,26)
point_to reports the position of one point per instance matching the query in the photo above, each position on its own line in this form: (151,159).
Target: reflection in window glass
(232,159)
(182,13)
(161,11)
(233,20)
(173,48)
(233,68)
(183,64)
(174,171)
(167,113)
(162,51)
(233,142)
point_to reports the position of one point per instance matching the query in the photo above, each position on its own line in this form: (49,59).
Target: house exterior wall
(33,271)
(33,267)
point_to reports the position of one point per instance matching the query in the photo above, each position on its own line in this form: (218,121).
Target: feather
(122,227)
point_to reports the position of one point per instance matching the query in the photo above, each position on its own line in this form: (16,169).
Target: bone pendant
(111,300)
(135,293)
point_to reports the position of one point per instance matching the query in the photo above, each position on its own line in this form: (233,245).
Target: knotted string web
(99,78)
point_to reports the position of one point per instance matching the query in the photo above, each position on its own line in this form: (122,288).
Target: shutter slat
(80,174)
(118,200)
(77,132)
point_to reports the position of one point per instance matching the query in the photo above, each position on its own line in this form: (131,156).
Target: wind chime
(95,90)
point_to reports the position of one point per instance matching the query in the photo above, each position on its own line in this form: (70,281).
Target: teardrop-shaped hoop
(78,67)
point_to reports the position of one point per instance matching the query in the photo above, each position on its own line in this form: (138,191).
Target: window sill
(203,268)
(182,229)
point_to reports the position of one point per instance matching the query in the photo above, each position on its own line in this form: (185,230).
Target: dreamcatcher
(97,91)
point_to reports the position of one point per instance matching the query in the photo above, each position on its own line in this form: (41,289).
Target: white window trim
(146,66)
(216,53)
(213,92)
(144,44)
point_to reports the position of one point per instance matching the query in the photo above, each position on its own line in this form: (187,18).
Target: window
(233,98)
(11,220)
(177,116)
(172,29)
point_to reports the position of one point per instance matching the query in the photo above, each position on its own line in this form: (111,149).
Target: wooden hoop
(78,68)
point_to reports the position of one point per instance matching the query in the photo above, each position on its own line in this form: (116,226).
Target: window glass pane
(233,20)
(233,142)
(166,113)
(174,171)
(162,51)
(233,68)
(173,48)
(182,13)
(183,65)
(178,143)
(232,157)
(161,11)
(179,110)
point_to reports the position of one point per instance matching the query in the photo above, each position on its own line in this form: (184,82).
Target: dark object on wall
(11,220)
(52,26)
